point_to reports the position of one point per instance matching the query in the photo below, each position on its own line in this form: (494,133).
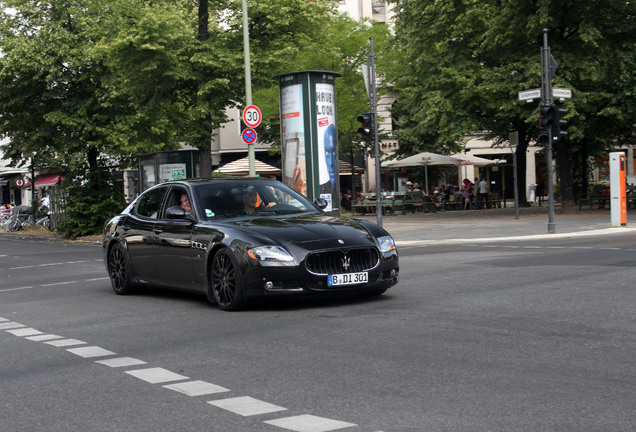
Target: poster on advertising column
(293,138)
(327,144)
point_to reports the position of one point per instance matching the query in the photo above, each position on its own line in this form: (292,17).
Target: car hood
(318,230)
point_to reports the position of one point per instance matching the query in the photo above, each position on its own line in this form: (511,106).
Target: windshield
(232,198)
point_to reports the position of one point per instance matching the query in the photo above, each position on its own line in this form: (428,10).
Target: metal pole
(547,100)
(378,174)
(248,83)
(515,136)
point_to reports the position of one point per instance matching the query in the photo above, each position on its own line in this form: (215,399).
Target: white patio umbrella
(473,160)
(241,167)
(423,159)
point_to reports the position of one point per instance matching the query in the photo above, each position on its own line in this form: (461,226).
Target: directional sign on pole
(252,116)
(249,136)
(561,93)
(529,95)
(557,93)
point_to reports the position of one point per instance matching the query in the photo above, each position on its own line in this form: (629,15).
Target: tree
(293,35)
(91,84)
(460,65)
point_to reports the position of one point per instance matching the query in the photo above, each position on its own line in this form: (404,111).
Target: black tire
(226,282)
(15,225)
(119,270)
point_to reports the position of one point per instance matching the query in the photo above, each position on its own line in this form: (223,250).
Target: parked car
(244,238)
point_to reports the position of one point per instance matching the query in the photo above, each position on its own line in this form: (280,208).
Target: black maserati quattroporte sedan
(236,239)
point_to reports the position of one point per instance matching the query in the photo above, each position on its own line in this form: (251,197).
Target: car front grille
(342,261)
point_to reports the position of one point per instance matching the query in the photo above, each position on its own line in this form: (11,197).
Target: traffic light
(559,123)
(366,129)
(545,123)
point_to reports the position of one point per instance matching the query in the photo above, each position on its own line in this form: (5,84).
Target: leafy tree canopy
(461,64)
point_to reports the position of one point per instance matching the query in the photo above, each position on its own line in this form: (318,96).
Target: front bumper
(271,281)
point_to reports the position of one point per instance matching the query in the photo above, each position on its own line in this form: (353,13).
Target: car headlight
(386,243)
(271,255)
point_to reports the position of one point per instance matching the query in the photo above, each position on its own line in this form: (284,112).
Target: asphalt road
(510,335)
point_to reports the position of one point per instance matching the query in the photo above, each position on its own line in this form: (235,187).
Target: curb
(51,237)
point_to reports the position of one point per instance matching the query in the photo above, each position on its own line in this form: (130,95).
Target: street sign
(561,93)
(557,92)
(19,182)
(252,116)
(529,95)
(249,136)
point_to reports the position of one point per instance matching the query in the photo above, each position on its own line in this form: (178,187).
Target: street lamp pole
(374,101)
(546,83)
(248,83)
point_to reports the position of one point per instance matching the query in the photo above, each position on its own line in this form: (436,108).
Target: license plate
(347,279)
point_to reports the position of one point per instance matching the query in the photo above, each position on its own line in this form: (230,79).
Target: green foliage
(90,201)
(88,85)
(465,62)
(459,66)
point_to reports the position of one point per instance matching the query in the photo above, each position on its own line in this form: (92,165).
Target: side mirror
(321,203)
(177,212)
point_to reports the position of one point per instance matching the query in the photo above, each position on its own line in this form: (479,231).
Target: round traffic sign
(249,136)
(19,182)
(252,116)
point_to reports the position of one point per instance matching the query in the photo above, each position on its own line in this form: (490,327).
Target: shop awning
(46,180)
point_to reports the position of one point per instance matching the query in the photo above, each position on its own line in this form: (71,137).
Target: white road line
(59,283)
(309,423)
(44,337)
(196,388)
(25,332)
(90,352)
(21,268)
(50,264)
(156,375)
(121,362)
(17,289)
(10,325)
(246,406)
(54,284)
(65,342)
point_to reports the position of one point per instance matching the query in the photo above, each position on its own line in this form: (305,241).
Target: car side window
(176,198)
(150,203)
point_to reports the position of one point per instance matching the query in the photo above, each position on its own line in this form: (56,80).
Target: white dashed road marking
(90,352)
(44,337)
(121,362)
(53,284)
(309,423)
(25,332)
(196,388)
(10,325)
(156,375)
(65,342)
(246,406)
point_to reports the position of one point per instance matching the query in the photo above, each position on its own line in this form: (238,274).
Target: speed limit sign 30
(252,116)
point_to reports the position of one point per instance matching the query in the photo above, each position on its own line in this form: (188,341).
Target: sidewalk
(460,226)
(456,226)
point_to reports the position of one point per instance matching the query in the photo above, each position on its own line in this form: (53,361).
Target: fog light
(269,285)
(393,273)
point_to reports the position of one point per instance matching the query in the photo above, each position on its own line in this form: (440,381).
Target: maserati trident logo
(346,262)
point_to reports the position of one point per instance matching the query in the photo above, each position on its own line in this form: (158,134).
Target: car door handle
(157,230)
(125,227)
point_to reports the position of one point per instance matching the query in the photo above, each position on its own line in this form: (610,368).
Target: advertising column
(309,135)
